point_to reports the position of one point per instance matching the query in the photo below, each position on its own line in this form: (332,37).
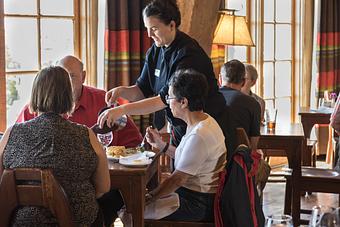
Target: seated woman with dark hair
(200,156)
(71,150)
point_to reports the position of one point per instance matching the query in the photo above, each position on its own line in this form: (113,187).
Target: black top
(245,111)
(160,64)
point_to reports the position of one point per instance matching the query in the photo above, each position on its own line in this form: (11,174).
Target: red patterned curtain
(328,47)
(126,42)
(217,57)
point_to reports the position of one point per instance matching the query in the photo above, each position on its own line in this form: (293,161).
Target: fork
(142,144)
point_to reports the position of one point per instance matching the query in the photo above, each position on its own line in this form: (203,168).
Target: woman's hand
(112,95)
(110,116)
(154,138)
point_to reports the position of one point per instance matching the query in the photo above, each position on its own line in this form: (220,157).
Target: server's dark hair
(164,10)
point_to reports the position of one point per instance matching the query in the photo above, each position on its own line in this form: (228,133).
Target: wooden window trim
(3,108)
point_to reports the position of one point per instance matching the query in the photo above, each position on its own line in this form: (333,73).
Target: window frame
(77,48)
(255,13)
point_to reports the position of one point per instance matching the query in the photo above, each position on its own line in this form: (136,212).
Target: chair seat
(319,173)
(162,223)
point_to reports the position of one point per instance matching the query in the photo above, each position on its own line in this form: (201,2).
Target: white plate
(149,154)
(136,160)
(111,158)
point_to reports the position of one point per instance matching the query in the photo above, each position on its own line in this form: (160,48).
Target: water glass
(279,221)
(320,216)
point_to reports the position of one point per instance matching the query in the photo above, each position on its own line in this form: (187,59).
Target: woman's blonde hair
(52,91)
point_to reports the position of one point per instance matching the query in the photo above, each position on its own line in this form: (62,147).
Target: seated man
(244,110)
(88,102)
(250,81)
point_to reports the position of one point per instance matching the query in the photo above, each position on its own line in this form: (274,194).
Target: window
(37,33)
(277,57)
(238,52)
(275,32)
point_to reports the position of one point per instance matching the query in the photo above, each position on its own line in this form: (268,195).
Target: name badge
(157,72)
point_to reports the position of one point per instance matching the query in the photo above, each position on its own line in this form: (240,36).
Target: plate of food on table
(133,156)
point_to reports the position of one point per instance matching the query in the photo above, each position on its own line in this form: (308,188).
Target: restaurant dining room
(170,113)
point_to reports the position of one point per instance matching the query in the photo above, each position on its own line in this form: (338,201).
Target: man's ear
(184,103)
(83,75)
(219,79)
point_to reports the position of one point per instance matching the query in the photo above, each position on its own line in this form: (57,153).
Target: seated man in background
(250,81)
(88,102)
(245,111)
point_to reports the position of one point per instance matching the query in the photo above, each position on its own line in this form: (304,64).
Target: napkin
(162,207)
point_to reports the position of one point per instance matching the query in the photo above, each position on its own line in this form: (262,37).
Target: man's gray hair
(251,71)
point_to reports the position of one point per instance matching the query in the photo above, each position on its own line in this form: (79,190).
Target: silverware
(142,144)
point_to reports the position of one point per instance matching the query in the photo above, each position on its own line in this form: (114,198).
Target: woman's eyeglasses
(167,99)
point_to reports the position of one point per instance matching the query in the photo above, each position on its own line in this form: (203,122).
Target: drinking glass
(105,139)
(279,221)
(320,215)
(270,118)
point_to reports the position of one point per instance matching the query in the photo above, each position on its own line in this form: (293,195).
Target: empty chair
(33,187)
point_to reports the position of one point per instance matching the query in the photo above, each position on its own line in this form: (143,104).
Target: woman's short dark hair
(52,91)
(164,10)
(233,71)
(191,85)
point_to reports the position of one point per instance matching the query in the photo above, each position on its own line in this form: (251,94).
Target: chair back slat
(242,137)
(33,187)
(30,195)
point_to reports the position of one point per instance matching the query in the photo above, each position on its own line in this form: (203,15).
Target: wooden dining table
(287,140)
(132,183)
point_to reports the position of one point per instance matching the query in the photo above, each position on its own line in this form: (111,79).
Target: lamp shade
(232,30)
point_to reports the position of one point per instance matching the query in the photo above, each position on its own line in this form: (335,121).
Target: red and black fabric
(328,47)
(126,42)
(237,204)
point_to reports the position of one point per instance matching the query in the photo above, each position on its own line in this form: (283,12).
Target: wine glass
(279,221)
(105,139)
(320,214)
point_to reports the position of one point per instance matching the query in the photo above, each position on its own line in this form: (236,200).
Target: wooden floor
(273,197)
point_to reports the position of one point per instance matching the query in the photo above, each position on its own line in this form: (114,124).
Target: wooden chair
(310,180)
(33,187)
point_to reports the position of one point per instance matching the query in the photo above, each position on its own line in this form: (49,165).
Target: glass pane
(284,108)
(56,40)
(268,10)
(283,79)
(239,5)
(237,52)
(268,80)
(18,92)
(269,104)
(283,11)
(268,52)
(283,42)
(60,7)
(28,7)
(21,44)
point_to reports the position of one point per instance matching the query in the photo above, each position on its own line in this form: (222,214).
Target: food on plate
(115,151)
(121,151)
